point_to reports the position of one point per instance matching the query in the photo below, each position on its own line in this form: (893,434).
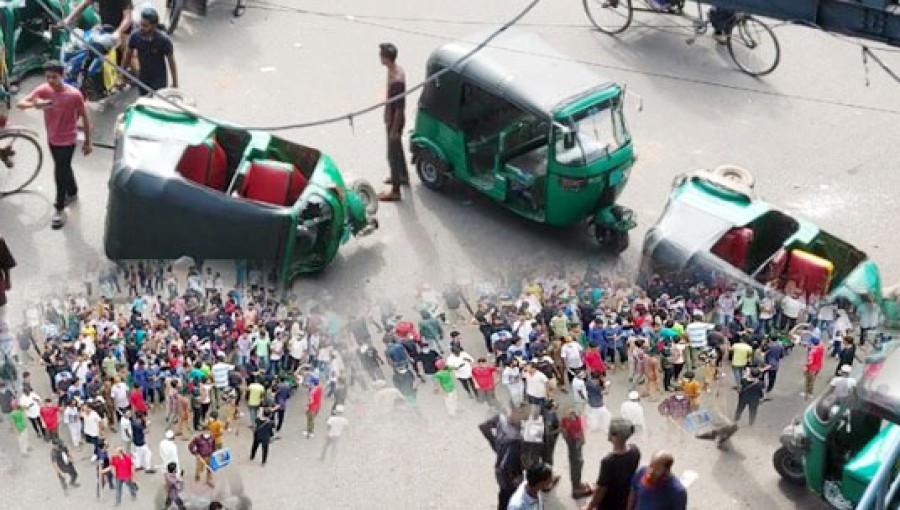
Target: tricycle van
(532,129)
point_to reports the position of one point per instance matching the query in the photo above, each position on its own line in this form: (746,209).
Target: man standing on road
(814,361)
(63,106)
(503,433)
(202,447)
(616,469)
(394,119)
(572,426)
(741,353)
(313,405)
(122,466)
(154,50)
(168,451)
(63,463)
(655,486)
(773,355)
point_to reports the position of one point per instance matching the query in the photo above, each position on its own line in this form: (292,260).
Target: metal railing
(883,492)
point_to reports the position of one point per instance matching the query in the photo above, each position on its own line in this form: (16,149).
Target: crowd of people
(202,360)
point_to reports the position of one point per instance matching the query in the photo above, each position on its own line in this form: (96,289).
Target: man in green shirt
(446,382)
(17,417)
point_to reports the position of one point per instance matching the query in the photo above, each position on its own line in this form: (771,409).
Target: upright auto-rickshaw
(29,36)
(839,445)
(530,128)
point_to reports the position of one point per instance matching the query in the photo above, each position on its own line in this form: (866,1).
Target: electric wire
(329,120)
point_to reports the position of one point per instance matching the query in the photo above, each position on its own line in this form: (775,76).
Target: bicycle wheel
(609,16)
(753,46)
(174,9)
(20,161)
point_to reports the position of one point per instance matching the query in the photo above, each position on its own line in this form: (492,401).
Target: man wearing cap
(168,451)
(632,411)
(202,447)
(336,423)
(814,361)
(843,384)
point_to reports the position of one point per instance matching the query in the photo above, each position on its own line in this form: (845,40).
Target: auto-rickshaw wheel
(367,193)
(789,466)
(431,170)
(614,240)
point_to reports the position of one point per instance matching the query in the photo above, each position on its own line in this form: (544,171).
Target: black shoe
(59,219)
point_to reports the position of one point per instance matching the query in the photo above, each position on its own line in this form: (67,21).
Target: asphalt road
(815,134)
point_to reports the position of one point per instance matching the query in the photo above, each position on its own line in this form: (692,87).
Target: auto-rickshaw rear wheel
(789,466)
(614,240)
(431,169)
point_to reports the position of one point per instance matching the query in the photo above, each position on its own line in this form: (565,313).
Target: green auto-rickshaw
(837,448)
(28,34)
(527,126)
(188,186)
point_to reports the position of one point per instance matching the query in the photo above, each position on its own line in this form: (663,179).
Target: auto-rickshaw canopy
(878,391)
(522,68)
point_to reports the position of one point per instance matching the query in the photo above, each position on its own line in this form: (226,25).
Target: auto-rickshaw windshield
(593,133)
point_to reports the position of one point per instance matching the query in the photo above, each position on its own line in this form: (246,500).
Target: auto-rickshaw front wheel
(610,238)
(789,466)
(431,169)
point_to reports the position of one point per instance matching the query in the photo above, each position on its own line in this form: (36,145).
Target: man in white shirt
(579,392)
(125,431)
(297,350)
(631,410)
(572,354)
(791,306)
(696,333)
(168,451)
(725,308)
(119,394)
(461,364)
(537,386)
(91,426)
(336,423)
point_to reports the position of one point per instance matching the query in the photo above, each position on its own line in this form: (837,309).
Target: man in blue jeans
(123,469)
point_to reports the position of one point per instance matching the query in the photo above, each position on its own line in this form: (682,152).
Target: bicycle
(21,155)
(174,9)
(745,35)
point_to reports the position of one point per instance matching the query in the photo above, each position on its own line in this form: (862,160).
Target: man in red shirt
(63,106)
(813,365)
(483,374)
(50,419)
(313,404)
(572,426)
(120,464)
(136,397)
(593,360)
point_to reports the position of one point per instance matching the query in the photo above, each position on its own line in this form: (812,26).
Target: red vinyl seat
(205,164)
(734,247)
(811,273)
(273,182)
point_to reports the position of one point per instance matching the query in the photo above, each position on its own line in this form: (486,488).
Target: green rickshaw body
(28,40)
(845,442)
(528,127)
(185,186)
(757,244)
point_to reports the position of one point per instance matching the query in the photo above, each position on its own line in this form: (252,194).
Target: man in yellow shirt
(741,352)
(255,394)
